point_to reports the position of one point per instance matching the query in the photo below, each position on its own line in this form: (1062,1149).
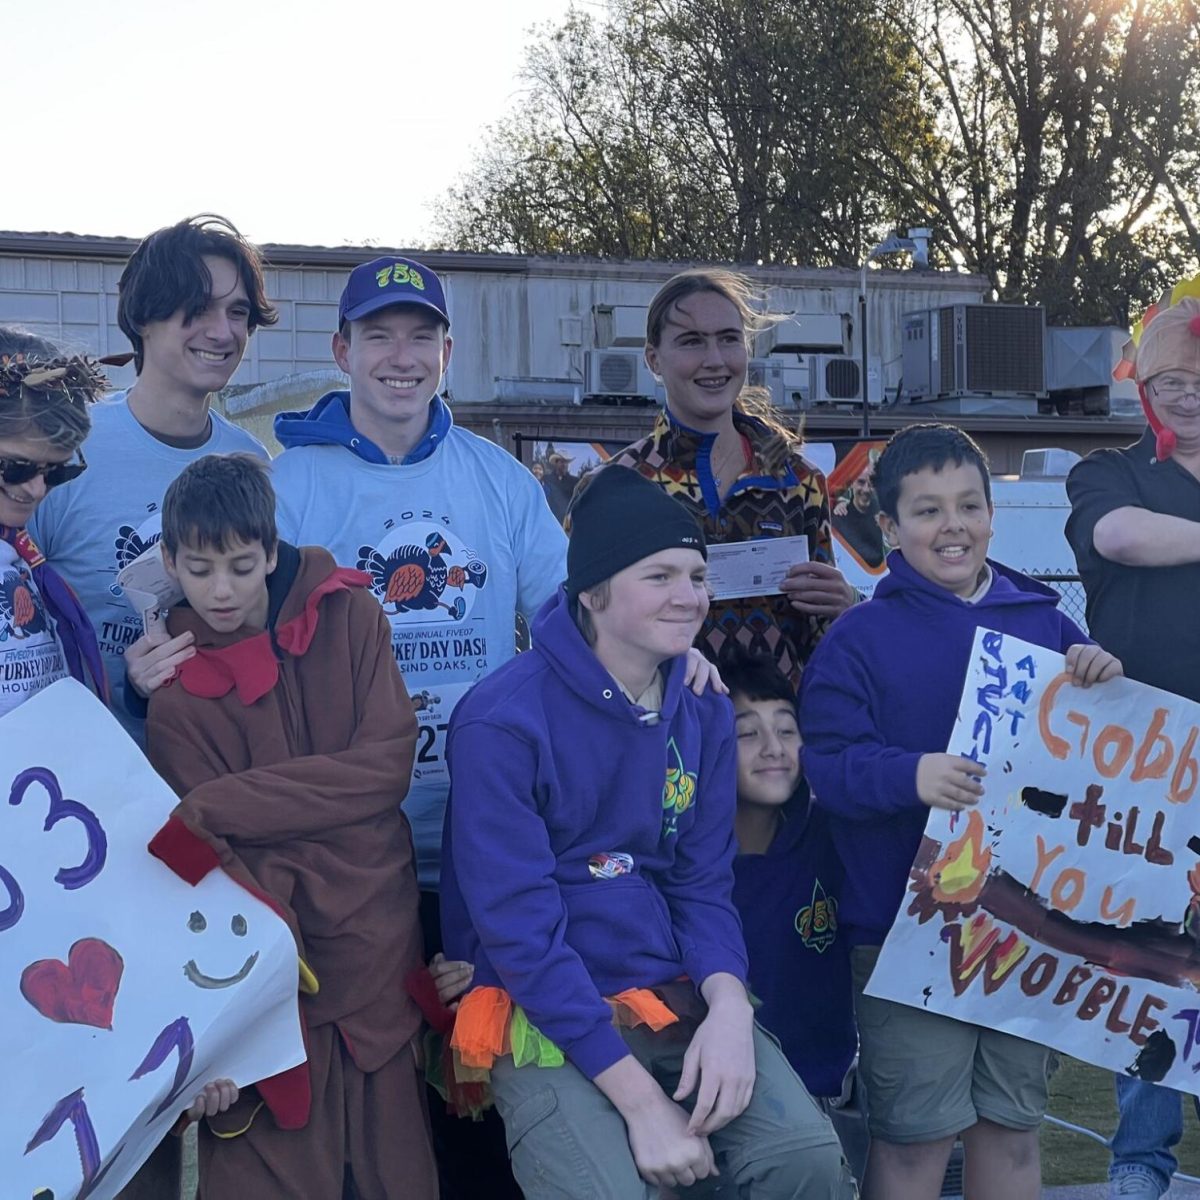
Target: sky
(320,122)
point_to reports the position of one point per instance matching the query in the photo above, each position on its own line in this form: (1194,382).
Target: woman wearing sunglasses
(45,635)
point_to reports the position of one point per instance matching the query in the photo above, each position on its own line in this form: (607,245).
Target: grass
(1084,1096)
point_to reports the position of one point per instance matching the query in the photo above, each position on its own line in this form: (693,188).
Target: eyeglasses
(1176,389)
(21,470)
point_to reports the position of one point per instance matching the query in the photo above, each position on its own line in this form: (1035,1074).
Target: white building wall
(505,323)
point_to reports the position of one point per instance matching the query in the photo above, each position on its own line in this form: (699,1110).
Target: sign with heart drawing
(124,989)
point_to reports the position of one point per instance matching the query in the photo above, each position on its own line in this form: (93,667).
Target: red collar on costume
(250,665)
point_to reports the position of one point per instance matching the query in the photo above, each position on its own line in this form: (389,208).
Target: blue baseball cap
(388,281)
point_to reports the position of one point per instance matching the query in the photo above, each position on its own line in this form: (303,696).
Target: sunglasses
(21,470)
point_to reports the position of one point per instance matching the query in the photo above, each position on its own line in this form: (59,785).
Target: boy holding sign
(878,703)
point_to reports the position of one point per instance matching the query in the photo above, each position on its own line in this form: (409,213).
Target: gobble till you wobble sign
(1065,907)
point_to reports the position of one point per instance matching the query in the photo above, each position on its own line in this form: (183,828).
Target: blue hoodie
(789,902)
(881,690)
(587,851)
(328,423)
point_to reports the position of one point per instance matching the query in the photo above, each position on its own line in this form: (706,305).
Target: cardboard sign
(124,990)
(1065,908)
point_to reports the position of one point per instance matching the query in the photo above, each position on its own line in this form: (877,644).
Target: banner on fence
(1065,907)
(124,990)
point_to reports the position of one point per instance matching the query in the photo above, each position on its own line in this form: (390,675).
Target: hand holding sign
(949,781)
(1090,664)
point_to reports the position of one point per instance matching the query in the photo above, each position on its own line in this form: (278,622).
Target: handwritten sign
(1065,908)
(123,989)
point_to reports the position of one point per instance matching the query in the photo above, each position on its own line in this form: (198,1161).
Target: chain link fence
(1073,600)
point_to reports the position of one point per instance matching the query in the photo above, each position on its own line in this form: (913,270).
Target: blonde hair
(599,595)
(739,291)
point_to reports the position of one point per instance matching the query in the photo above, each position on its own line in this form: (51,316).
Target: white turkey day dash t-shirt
(31,656)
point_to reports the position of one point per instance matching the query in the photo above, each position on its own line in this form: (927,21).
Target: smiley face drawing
(198,923)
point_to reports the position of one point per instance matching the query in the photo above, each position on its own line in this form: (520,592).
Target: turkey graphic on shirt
(418,576)
(22,613)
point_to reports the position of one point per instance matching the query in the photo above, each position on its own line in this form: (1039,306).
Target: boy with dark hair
(289,737)
(787,889)
(587,877)
(878,702)
(169,273)
(190,297)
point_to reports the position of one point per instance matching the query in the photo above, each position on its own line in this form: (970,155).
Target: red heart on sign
(80,992)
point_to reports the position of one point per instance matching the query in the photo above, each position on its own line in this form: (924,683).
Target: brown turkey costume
(291,749)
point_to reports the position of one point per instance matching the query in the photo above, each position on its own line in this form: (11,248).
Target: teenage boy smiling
(191,296)
(454,531)
(589,850)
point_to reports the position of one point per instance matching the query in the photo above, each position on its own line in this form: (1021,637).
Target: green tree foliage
(728,129)
(1054,145)
(1065,169)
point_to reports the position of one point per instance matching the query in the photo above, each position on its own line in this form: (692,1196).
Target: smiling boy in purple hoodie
(878,702)
(588,876)
(787,884)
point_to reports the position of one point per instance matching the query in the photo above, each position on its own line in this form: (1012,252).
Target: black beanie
(620,518)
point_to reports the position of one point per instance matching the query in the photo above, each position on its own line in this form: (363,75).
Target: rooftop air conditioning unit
(809,333)
(618,373)
(974,350)
(768,375)
(835,378)
(620,325)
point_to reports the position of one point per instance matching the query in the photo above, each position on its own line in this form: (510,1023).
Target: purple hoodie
(587,850)
(789,902)
(881,690)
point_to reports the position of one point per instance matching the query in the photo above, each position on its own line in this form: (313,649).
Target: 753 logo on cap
(401,274)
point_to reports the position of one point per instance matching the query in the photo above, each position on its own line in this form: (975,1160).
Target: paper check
(148,587)
(755,568)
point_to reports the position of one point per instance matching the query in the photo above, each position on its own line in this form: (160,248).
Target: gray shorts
(928,1077)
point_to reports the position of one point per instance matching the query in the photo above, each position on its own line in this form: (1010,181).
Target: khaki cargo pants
(569,1143)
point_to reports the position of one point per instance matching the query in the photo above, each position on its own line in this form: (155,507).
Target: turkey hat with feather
(1167,338)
